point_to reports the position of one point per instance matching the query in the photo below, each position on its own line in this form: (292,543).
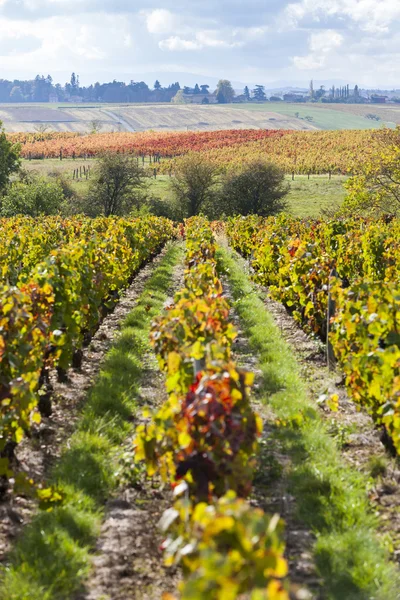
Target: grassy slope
(51,559)
(322,116)
(331,497)
(306,197)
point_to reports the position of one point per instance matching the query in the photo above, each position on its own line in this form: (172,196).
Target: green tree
(259,93)
(35,197)
(375,189)
(157,85)
(118,186)
(257,189)
(225,92)
(9,159)
(194,184)
(196,89)
(246,93)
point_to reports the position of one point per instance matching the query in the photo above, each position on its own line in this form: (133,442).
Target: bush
(35,197)
(9,159)
(258,189)
(194,184)
(118,186)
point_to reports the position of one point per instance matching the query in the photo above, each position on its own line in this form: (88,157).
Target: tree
(204,89)
(9,159)
(179,98)
(312,89)
(205,100)
(157,85)
(375,189)
(35,197)
(196,89)
(194,183)
(259,93)
(259,188)
(246,93)
(95,126)
(225,92)
(319,94)
(16,94)
(117,187)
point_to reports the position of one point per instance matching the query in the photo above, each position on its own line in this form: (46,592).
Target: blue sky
(255,41)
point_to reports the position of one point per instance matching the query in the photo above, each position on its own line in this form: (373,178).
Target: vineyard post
(330,356)
(61,154)
(330,175)
(292,175)
(155,173)
(73,155)
(30,156)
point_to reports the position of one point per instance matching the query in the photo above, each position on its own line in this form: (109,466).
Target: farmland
(137,117)
(167,117)
(201,409)
(227,356)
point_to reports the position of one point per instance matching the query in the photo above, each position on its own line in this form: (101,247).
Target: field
(166,383)
(138,117)
(333,116)
(306,198)
(201,410)
(167,117)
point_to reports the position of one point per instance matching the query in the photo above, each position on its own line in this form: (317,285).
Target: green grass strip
(52,558)
(331,497)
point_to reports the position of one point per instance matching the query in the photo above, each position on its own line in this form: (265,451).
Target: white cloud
(309,62)
(160,21)
(177,44)
(369,15)
(325,41)
(201,39)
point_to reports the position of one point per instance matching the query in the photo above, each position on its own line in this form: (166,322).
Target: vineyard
(208,458)
(295,152)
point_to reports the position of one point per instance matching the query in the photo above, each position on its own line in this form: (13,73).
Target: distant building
(294,97)
(375,99)
(200,98)
(53,98)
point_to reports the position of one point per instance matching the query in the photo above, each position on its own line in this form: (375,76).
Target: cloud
(202,39)
(325,41)
(177,44)
(367,14)
(255,41)
(160,21)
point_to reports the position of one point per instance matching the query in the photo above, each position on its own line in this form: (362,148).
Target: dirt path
(38,453)
(128,562)
(360,440)
(271,484)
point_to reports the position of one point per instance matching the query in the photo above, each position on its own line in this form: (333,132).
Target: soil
(360,440)
(39,452)
(128,562)
(270,491)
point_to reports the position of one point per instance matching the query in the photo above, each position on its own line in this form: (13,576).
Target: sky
(251,41)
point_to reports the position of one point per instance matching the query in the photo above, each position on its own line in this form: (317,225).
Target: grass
(321,116)
(306,198)
(331,497)
(51,559)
